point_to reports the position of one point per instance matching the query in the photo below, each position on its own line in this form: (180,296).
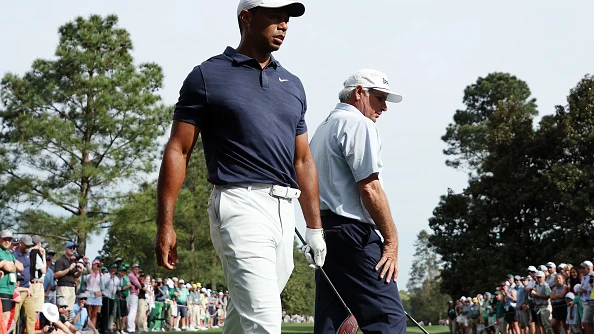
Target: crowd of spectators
(548,299)
(43,292)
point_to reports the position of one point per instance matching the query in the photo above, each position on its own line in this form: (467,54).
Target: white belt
(273,190)
(284,192)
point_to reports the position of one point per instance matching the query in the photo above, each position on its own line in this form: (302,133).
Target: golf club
(349,325)
(416,323)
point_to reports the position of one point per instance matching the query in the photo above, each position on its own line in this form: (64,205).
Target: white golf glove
(315,244)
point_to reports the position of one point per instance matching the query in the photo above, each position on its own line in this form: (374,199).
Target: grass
(308,329)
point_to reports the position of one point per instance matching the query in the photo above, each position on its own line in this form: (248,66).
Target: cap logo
(385,81)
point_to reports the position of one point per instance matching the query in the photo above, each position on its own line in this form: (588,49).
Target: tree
(425,265)
(298,297)
(424,300)
(78,131)
(467,136)
(530,200)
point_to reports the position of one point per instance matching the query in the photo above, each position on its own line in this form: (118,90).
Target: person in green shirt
(124,292)
(500,312)
(9,266)
(181,296)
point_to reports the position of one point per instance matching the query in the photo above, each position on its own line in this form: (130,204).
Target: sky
(430,50)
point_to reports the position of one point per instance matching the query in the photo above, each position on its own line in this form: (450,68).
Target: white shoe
(215,326)
(177,329)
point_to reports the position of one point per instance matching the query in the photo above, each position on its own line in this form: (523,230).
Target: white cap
(188,286)
(50,312)
(373,79)
(577,287)
(532,268)
(542,267)
(551,265)
(569,295)
(296,8)
(587,263)
(181,281)
(562,266)
(203,290)
(540,274)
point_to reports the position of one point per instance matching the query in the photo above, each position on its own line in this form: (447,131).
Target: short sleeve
(60,265)
(191,105)
(301,126)
(361,148)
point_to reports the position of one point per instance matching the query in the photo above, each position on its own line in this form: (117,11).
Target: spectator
(500,311)
(66,272)
(21,254)
(523,306)
(81,319)
(38,271)
(51,254)
(586,297)
(142,305)
(49,282)
(474,315)
(14,245)
(51,321)
(181,297)
(558,292)
(93,288)
(133,297)
(528,290)
(124,292)
(573,316)
(575,277)
(9,267)
(110,283)
(552,272)
(541,295)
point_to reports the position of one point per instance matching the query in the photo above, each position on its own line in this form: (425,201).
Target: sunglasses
(6,239)
(70,247)
(62,307)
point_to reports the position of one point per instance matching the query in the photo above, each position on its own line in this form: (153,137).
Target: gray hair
(346,93)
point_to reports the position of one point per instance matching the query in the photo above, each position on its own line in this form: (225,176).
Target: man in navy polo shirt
(250,112)
(361,236)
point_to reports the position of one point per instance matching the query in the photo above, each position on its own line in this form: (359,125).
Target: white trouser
(253,234)
(132,309)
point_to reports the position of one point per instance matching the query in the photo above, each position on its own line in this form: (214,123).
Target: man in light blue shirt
(361,238)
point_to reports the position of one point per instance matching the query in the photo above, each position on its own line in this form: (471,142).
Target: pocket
(356,234)
(214,206)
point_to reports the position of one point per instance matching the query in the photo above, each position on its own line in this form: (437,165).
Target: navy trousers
(354,249)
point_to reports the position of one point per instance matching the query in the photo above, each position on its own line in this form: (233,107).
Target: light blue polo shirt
(347,149)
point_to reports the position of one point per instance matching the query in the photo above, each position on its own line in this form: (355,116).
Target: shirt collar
(348,107)
(239,59)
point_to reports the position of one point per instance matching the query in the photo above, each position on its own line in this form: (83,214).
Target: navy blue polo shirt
(26,261)
(248,118)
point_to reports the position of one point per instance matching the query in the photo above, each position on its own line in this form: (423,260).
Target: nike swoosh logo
(282,80)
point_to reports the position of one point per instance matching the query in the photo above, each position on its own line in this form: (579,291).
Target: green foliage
(468,135)
(76,130)
(424,300)
(132,233)
(298,297)
(531,199)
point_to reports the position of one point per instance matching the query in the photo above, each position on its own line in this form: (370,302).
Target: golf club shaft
(326,276)
(416,323)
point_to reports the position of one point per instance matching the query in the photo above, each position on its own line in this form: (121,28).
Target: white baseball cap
(373,79)
(296,8)
(532,268)
(551,265)
(540,274)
